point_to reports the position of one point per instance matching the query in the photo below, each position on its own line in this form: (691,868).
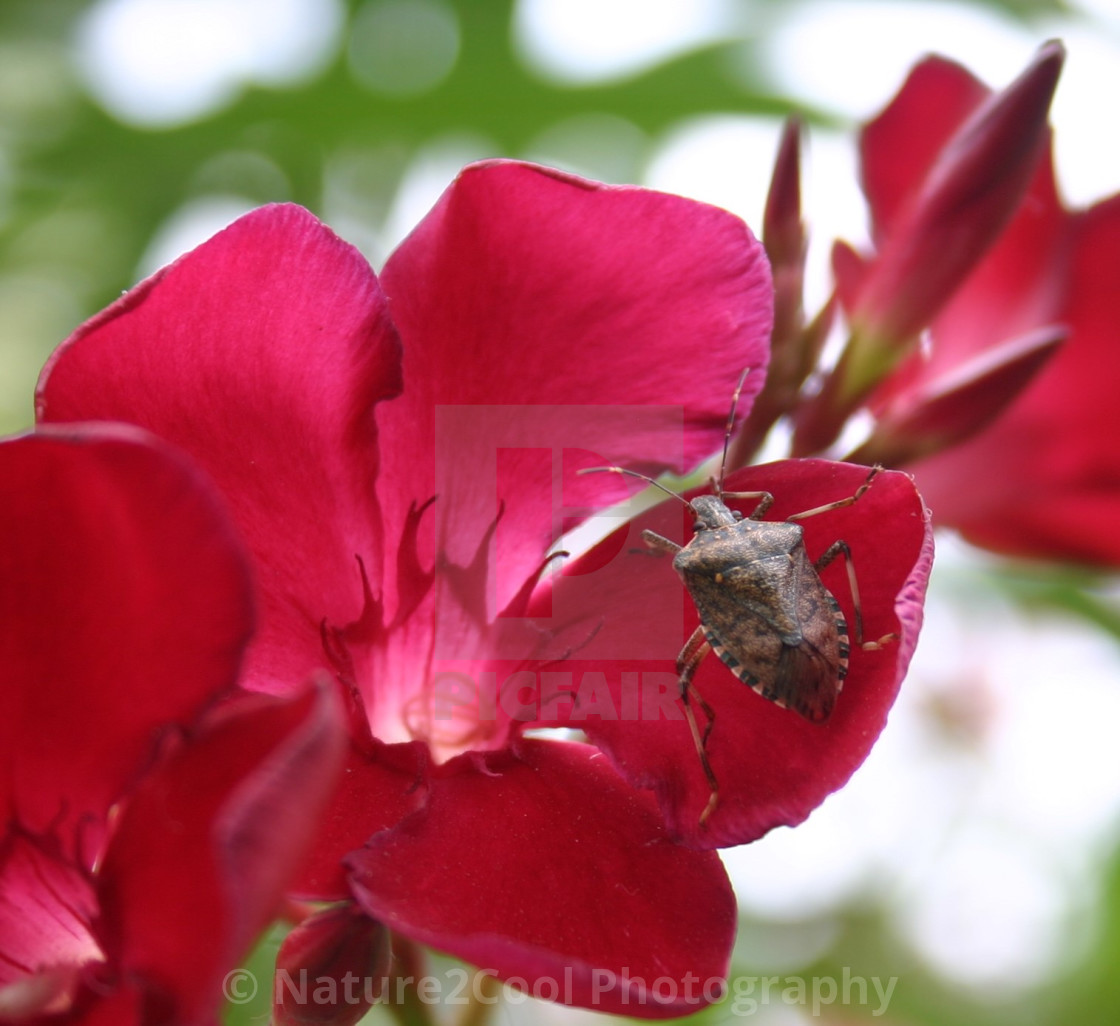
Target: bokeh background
(975,856)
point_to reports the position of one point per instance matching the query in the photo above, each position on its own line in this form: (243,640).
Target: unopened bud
(330,969)
(951,409)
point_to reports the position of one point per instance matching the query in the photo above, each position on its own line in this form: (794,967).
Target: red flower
(1042,479)
(144,843)
(391,458)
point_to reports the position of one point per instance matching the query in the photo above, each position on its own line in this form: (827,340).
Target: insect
(764,609)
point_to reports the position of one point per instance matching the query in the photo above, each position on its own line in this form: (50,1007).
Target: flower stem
(404,1004)
(484,998)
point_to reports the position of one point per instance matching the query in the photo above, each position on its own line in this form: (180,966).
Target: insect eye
(699,525)
(736,514)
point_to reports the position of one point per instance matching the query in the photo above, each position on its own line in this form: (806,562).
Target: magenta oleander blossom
(1049,275)
(147,832)
(400,453)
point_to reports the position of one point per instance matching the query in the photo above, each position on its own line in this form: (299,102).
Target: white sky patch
(1053,748)
(1086,147)
(851,57)
(994,917)
(157,63)
(722,159)
(728,160)
(585,41)
(1104,11)
(785,877)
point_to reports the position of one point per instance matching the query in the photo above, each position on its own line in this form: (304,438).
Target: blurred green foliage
(81,194)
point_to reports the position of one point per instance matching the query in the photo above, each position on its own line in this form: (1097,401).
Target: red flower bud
(783,233)
(966,199)
(330,969)
(955,406)
(935,235)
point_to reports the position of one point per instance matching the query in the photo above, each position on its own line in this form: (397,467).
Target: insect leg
(692,655)
(828,507)
(717,486)
(838,548)
(765,501)
(656,542)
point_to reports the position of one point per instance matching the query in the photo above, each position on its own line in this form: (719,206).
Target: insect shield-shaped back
(764,609)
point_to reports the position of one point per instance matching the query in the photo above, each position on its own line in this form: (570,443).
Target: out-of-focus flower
(940,199)
(935,415)
(1041,479)
(147,835)
(330,968)
(400,455)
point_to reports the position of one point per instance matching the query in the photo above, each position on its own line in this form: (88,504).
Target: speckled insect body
(763,607)
(764,610)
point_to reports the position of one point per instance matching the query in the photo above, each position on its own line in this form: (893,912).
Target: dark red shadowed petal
(782,228)
(377,788)
(125,602)
(206,846)
(541,863)
(1044,480)
(262,354)
(121,1007)
(773,767)
(531,302)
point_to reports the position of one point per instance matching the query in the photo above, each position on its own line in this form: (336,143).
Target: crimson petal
(542,864)
(898,148)
(262,354)
(204,849)
(119,570)
(378,787)
(532,304)
(773,767)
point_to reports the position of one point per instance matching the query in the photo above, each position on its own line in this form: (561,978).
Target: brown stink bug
(764,609)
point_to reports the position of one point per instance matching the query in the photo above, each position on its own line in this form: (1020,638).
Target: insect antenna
(640,477)
(730,430)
